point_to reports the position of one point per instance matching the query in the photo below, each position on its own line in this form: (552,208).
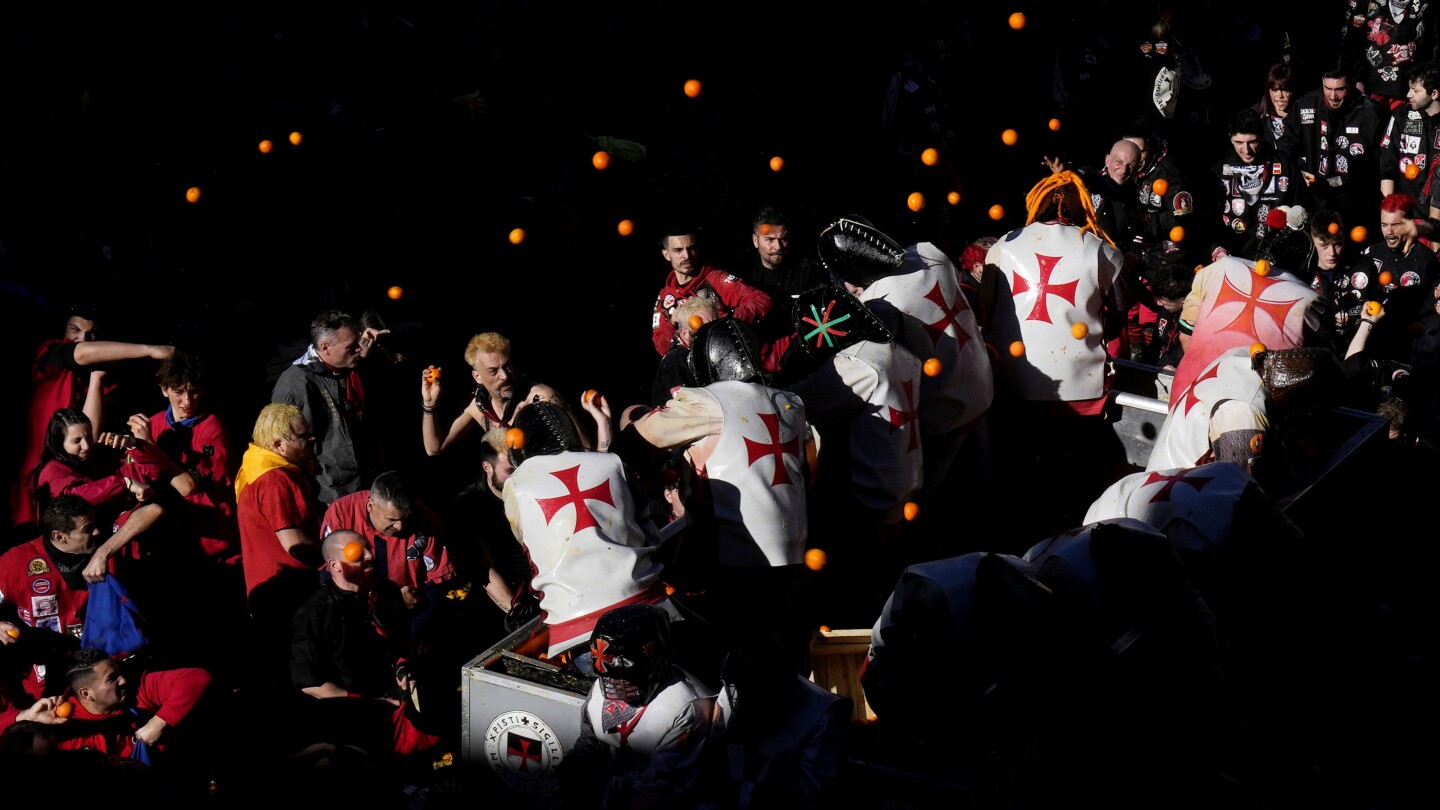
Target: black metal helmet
(545,429)
(829,319)
(857,252)
(631,651)
(724,349)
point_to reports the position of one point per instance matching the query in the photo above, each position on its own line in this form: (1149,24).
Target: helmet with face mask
(724,349)
(631,651)
(547,430)
(857,252)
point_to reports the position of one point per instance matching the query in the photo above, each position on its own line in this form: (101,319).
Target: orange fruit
(589,395)
(953,198)
(695,323)
(1017,21)
(515,438)
(625,228)
(296,138)
(1054,124)
(601,160)
(815,559)
(930,157)
(777,163)
(1386,277)
(353,551)
(1256,348)
(1177,234)
(932,367)
(1333,228)
(1257,443)
(915,201)
(766,228)
(517,236)
(1412,171)
(64,709)
(1372,307)
(1358,233)
(1017,349)
(13,633)
(692,88)
(1262,267)
(1080,330)
(1160,186)
(1199,267)
(265,147)
(997,212)
(824,628)
(395,293)
(912,510)
(1009,137)
(669,590)
(192,194)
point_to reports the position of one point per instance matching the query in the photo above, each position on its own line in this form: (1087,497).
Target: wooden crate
(836,657)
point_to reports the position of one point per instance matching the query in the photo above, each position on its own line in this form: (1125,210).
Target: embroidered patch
(1409,278)
(1359,280)
(41,586)
(45,606)
(38,566)
(1184,203)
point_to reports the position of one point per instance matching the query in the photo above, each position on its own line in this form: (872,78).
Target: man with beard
(689,276)
(1411,137)
(1252,180)
(279,521)
(1400,273)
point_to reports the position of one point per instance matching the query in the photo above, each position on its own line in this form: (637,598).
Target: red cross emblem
(524,748)
(758,450)
(1188,401)
(899,418)
(936,329)
(1040,311)
(1170,481)
(584,519)
(603,659)
(1244,320)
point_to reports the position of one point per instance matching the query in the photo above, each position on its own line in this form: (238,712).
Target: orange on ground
(1160,186)
(915,201)
(625,228)
(515,438)
(395,293)
(601,160)
(692,88)
(353,551)
(953,198)
(1017,349)
(1080,330)
(932,367)
(815,559)
(930,157)
(997,212)
(517,236)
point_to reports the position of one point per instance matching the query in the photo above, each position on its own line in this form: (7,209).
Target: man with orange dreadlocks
(1062,277)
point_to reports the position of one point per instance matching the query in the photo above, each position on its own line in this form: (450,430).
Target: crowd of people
(901,424)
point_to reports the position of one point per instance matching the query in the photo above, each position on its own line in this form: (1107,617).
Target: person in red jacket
(114,710)
(689,277)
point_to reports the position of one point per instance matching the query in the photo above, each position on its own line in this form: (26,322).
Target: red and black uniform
(1406,298)
(1339,147)
(1411,138)
(169,693)
(56,381)
(1384,42)
(418,559)
(47,592)
(1247,193)
(1160,213)
(737,299)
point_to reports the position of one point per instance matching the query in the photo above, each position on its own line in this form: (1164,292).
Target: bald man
(1112,190)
